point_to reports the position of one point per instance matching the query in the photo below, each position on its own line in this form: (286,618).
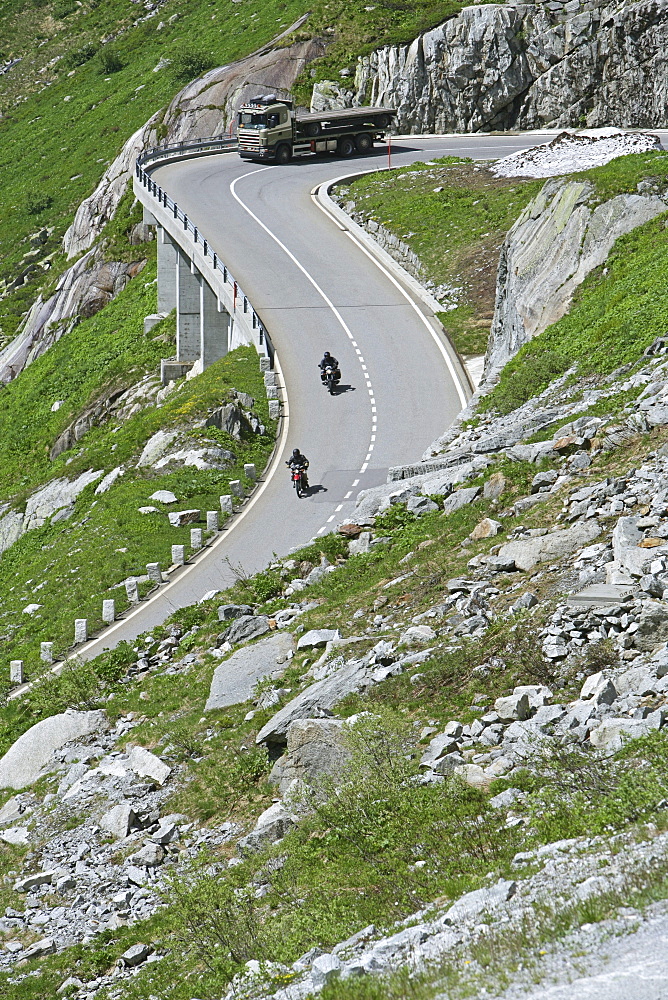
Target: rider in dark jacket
(299,461)
(328,361)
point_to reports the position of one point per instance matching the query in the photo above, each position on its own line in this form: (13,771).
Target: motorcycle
(299,480)
(330,378)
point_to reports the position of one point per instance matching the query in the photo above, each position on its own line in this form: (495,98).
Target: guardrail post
(196,540)
(46,652)
(16,671)
(176,210)
(205,245)
(153,572)
(195,234)
(185,222)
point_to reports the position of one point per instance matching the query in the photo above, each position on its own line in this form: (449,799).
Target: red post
(389,152)
(234,305)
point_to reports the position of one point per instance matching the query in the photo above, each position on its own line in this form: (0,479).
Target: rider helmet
(295,452)
(327,354)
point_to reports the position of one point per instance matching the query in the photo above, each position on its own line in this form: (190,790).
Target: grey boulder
(460,499)
(245,628)
(273,824)
(147,765)
(527,553)
(317,637)
(474,904)
(120,820)
(652,626)
(235,678)
(314,749)
(227,612)
(24,761)
(323,695)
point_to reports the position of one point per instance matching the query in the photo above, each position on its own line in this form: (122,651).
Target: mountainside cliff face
(522,66)
(555,243)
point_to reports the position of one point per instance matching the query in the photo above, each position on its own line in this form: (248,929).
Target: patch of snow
(569,152)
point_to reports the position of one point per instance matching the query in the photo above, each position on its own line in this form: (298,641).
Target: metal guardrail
(176,150)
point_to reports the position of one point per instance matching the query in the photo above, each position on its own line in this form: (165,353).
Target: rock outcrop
(523,66)
(82,290)
(558,239)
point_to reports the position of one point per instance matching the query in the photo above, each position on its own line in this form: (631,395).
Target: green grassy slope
(454,215)
(69,566)
(619,310)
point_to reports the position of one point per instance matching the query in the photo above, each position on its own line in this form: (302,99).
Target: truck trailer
(269,129)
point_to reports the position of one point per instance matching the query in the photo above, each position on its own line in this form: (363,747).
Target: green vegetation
(357,857)
(618,311)
(454,215)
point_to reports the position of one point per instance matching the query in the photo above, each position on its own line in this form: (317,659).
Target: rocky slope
(554,244)
(574,530)
(521,66)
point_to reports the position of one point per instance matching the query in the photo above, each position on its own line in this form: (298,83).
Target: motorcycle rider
(328,361)
(299,461)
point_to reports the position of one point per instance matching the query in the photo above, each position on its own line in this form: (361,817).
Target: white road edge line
(319,193)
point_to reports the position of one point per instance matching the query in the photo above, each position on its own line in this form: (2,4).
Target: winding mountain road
(316,289)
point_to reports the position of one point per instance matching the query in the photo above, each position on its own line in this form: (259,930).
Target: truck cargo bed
(340,114)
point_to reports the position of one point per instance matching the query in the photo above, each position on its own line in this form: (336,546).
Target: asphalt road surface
(315,289)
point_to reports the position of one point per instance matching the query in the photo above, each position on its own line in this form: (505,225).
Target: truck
(270,129)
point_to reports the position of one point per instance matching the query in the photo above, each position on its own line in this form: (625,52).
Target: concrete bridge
(213,315)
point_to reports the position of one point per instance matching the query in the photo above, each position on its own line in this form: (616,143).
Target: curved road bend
(316,290)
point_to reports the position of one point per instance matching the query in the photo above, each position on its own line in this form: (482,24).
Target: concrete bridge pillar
(167,262)
(214,327)
(188,324)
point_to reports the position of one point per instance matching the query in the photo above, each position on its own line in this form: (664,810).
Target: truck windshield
(252,121)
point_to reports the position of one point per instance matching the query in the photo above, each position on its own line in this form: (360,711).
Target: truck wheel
(383,121)
(283,154)
(346,146)
(364,143)
(313,129)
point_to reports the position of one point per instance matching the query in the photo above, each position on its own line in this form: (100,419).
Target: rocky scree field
(359,773)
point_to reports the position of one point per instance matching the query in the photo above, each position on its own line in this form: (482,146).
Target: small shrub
(396,516)
(110,60)
(37,202)
(80,56)
(601,655)
(113,665)
(189,63)
(526,376)
(582,792)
